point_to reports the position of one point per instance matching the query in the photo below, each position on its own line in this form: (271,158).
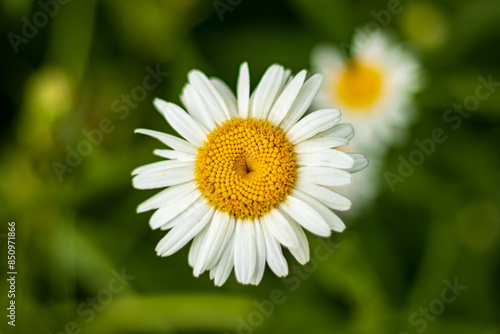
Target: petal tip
(160,104)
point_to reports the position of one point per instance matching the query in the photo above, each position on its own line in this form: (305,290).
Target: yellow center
(360,85)
(246,167)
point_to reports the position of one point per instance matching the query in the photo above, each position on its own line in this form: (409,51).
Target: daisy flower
(374,88)
(250,174)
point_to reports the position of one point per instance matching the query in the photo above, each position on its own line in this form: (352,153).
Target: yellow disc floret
(246,167)
(360,85)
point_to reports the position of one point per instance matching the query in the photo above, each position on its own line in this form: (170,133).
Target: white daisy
(374,89)
(249,175)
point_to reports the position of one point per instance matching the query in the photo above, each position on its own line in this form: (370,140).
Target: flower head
(374,88)
(249,175)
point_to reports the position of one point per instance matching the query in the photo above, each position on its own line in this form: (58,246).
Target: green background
(442,224)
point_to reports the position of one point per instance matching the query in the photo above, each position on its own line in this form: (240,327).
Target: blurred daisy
(374,89)
(249,175)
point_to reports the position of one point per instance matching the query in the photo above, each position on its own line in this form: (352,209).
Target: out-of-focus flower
(249,175)
(374,88)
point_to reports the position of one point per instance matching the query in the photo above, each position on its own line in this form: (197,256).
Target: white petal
(343,130)
(194,250)
(280,228)
(227,95)
(287,78)
(319,144)
(312,124)
(185,214)
(328,158)
(184,124)
(181,234)
(260,244)
(301,252)
(166,196)
(333,221)
(225,265)
(197,108)
(306,216)
(327,58)
(161,166)
(245,254)
(227,237)
(302,102)
(213,100)
(175,155)
(360,162)
(266,92)
(274,255)
(218,236)
(163,179)
(329,198)
(325,176)
(168,212)
(243,91)
(286,99)
(169,140)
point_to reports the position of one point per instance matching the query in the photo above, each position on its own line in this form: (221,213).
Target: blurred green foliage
(442,223)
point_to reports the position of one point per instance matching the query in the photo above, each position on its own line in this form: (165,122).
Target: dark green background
(441,224)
